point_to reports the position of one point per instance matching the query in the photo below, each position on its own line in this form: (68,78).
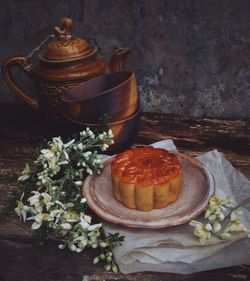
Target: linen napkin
(175,249)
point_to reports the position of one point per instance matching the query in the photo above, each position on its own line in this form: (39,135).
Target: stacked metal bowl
(113,94)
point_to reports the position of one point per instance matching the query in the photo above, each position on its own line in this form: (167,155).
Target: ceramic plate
(198,188)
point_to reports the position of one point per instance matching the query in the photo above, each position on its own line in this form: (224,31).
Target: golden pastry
(146,178)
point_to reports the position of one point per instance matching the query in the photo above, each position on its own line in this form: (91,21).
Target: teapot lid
(65,47)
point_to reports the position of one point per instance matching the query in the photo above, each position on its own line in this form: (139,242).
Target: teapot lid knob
(65,30)
(65,47)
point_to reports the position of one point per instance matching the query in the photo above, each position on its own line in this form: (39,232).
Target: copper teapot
(64,63)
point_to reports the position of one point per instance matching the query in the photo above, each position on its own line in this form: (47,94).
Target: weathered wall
(190,57)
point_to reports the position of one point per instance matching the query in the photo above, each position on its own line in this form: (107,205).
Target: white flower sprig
(213,219)
(57,203)
(235,225)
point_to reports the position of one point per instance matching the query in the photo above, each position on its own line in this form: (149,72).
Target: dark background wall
(190,57)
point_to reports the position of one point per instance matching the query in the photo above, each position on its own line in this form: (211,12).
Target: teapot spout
(117,62)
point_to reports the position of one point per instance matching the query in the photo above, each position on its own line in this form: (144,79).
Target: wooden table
(20,132)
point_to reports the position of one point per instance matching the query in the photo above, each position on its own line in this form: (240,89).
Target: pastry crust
(146,178)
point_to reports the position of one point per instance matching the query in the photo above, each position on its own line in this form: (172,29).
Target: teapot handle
(22,62)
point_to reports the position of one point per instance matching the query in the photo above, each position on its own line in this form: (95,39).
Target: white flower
(83,200)
(227,202)
(39,218)
(47,200)
(72,216)
(55,156)
(48,154)
(36,201)
(83,223)
(88,219)
(215,201)
(25,173)
(81,242)
(56,145)
(235,224)
(56,213)
(215,209)
(39,200)
(235,215)
(83,133)
(202,231)
(21,209)
(110,133)
(49,159)
(104,146)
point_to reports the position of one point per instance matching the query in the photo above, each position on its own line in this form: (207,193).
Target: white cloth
(176,249)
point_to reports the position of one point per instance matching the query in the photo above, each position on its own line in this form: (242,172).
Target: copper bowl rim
(137,112)
(131,76)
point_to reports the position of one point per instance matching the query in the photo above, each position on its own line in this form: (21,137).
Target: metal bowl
(124,131)
(114,94)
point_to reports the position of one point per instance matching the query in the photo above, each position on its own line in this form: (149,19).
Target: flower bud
(61,246)
(103,244)
(102,256)
(107,267)
(225,236)
(208,227)
(96,260)
(80,146)
(78,182)
(94,245)
(72,247)
(216,227)
(114,268)
(221,217)
(108,259)
(212,218)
